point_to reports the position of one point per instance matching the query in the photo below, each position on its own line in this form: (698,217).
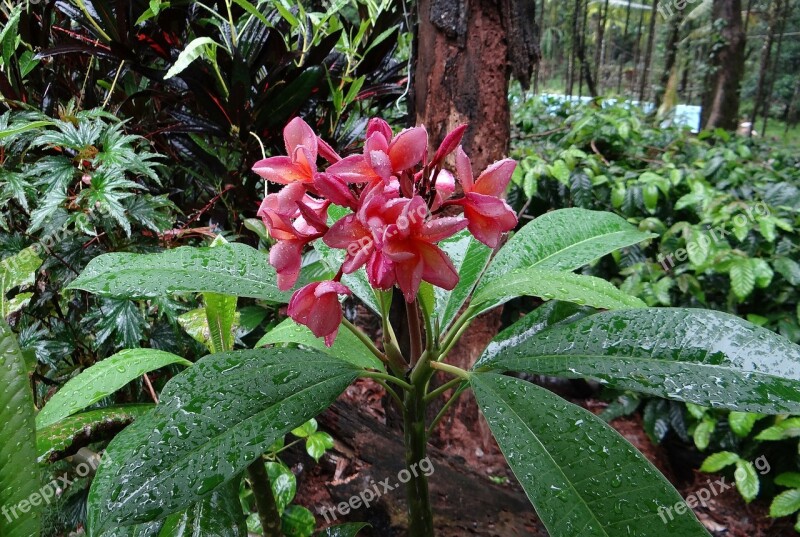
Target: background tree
(722,94)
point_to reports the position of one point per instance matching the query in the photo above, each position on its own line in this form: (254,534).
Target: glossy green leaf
(548,314)
(213,421)
(232,269)
(785,503)
(789,269)
(306,430)
(743,278)
(283,484)
(101,380)
(699,356)
(581,475)
(344,530)
(195,49)
(788,479)
(15,271)
(318,443)
(469,257)
(741,423)
(716,462)
(56,441)
(220,316)
(564,240)
(552,284)
(346,347)
(195,323)
(297,521)
(219,515)
(19,473)
(746,479)
(788,428)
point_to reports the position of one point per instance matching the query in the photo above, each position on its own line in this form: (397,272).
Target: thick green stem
(420,516)
(265,501)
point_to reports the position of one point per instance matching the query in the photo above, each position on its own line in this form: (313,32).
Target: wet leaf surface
(581,475)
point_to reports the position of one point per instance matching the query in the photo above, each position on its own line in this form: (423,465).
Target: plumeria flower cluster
(402,204)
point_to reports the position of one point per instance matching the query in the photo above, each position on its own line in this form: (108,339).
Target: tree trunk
(671,56)
(467,52)
(575,43)
(600,45)
(721,98)
(648,57)
(766,53)
(637,52)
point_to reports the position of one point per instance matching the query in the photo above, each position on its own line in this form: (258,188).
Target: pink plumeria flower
(384,156)
(294,219)
(489,216)
(300,166)
(317,306)
(410,244)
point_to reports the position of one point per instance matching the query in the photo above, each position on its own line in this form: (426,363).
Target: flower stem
(443,388)
(453,370)
(375,375)
(420,516)
(415,331)
(265,501)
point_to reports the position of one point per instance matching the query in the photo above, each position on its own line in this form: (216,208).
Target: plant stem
(265,501)
(366,341)
(390,378)
(452,383)
(445,408)
(453,370)
(420,516)
(414,330)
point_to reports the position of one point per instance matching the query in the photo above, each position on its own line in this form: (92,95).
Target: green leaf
(231,269)
(16,271)
(789,269)
(25,127)
(347,346)
(197,47)
(101,380)
(746,480)
(582,476)
(19,473)
(741,423)
(219,515)
(195,323)
(283,484)
(306,430)
(297,521)
(716,462)
(699,356)
(564,240)
(788,479)
(785,503)
(214,419)
(250,8)
(60,439)
(703,431)
(345,530)
(788,428)
(743,278)
(220,315)
(317,444)
(552,284)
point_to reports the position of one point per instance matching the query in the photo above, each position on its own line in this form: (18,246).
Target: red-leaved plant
(394,211)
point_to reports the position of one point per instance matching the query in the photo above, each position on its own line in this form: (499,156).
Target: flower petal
(449,144)
(297,133)
(327,152)
(333,188)
(445,187)
(464,170)
(285,257)
(442,228)
(379,126)
(280,170)
(437,269)
(353,169)
(408,148)
(494,179)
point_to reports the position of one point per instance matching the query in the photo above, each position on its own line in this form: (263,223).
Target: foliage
(725,210)
(204,80)
(273,390)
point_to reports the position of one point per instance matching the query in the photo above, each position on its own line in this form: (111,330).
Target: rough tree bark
(722,94)
(467,52)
